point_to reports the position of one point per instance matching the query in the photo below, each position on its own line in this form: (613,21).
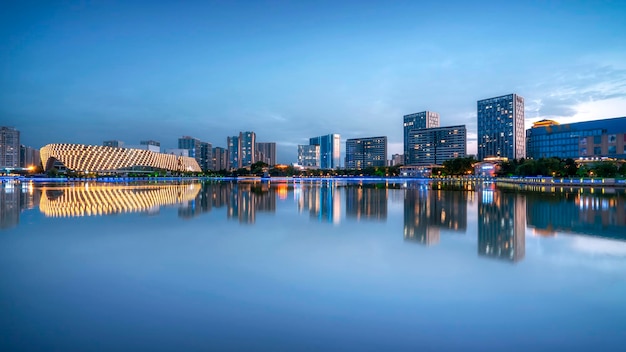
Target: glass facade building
(366,152)
(599,138)
(330,150)
(436,145)
(309,156)
(9,147)
(420,120)
(242,150)
(266,152)
(501,127)
(201,151)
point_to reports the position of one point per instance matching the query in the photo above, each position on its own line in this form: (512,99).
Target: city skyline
(288,71)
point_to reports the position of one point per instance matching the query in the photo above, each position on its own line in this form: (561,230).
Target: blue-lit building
(590,139)
(501,127)
(362,153)
(419,120)
(436,145)
(201,151)
(330,150)
(242,150)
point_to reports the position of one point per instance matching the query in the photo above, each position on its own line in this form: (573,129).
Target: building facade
(436,145)
(309,156)
(366,152)
(590,139)
(220,159)
(420,120)
(201,151)
(330,153)
(9,147)
(29,157)
(501,127)
(101,159)
(242,150)
(266,152)
(151,145)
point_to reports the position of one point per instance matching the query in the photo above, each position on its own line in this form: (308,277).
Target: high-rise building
(366,152)
(501,127)
(220,159)
(309,156)
(436,145)
(330,153)
(9,147)
(232,146)
(590,139)
(266,152)
(113,143)
(397,159)
(424,119)
(29,157)
(242,150)
(201,151)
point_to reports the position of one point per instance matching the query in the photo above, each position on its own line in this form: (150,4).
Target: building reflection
(427,211)
(322,201)
(598,215)
(16,197)
(366,202)
(98,199)
(501,225)
(246,199)
(211,195)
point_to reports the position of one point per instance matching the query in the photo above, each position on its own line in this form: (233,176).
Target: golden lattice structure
(90,200)
(93,158)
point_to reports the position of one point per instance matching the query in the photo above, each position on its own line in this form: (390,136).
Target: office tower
(201,151)
(220,159)
(9,147)
(151,145)
(436,145)
(397,159)
(330,153)
(29,157)
(242,150)
(113,143)
(309,156)
(266,152)
(424,119)
(599,138)
(501,127)
(367,152)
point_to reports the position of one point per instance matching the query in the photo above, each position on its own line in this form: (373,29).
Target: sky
(89,71)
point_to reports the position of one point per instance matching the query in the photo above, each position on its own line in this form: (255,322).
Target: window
(583,151)
(612,138)
(612,149)
(583,141)
(597,140)
(597,150)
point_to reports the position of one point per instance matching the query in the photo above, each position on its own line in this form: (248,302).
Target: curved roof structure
(91,158)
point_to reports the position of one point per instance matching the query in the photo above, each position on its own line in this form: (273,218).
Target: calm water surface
(310,266)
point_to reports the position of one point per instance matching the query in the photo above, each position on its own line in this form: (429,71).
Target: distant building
(201,151)
(330,153)
(397,159)
(9,147)
(590,139)
(420,120)
(152,145)
(266,152)
(309,156)
(29,157)
(220,159)
(362,153)
(113,143)
(177,152)
(501,127)
(436,145)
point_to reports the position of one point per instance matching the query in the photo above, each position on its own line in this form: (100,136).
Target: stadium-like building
(102,159)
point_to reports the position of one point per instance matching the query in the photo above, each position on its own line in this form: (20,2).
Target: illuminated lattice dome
(91,158)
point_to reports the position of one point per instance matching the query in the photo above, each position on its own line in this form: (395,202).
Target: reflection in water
(501,225)
(321,200)
(98,199)
(426,212)
(366,202)
(14,198)
(246,199)
(586,214)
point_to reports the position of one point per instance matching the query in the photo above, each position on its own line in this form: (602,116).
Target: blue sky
(84,72)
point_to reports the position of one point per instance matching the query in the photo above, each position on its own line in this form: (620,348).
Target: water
(311,266)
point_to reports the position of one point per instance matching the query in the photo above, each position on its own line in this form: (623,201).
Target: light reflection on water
(301,265)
